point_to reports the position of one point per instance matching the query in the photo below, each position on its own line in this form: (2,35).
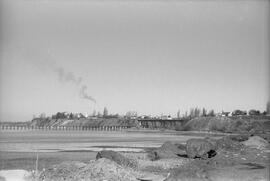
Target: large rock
(200,148)
(167,150)
(265,136)
(239,138)
(227,144)
(256,142)
(117,157)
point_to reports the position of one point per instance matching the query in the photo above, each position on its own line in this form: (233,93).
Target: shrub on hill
(227,124)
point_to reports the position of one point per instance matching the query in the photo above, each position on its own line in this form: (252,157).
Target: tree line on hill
(95,114)
(192,113)
(198,112)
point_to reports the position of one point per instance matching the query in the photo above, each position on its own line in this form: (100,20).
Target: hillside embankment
(236,124)
(84,122)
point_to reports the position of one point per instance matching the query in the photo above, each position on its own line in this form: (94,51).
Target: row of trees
(105,114)
(196,112)
(192,113)
(98,114)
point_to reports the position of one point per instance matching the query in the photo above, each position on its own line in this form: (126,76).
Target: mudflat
(19,149)
(72,155)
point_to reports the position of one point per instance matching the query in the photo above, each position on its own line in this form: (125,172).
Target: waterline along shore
(67,128)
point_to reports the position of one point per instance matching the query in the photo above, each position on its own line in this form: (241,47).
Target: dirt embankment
(83,122)
(236,124)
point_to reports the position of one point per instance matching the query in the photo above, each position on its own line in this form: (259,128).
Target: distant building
(239,113)
(66,114)
(131,115)
(166,117)
(226,114)
(144,117)
(254,112)
(79,115)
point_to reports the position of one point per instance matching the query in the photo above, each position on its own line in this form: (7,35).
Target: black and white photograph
(134,90)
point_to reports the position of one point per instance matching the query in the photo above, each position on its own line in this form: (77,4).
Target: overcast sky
(151,56)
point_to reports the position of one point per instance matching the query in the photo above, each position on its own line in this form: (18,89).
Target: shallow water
(55,141)
(18,149)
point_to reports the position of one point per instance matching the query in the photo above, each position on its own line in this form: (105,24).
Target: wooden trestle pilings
(65,128)
(144,123)
(160,123)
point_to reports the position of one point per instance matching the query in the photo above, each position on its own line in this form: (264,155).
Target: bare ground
(248,164)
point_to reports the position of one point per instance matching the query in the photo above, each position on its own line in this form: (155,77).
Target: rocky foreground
(240,157)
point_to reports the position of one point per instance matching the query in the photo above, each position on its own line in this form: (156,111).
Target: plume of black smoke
(65,76)
(84,95)
(45,62)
